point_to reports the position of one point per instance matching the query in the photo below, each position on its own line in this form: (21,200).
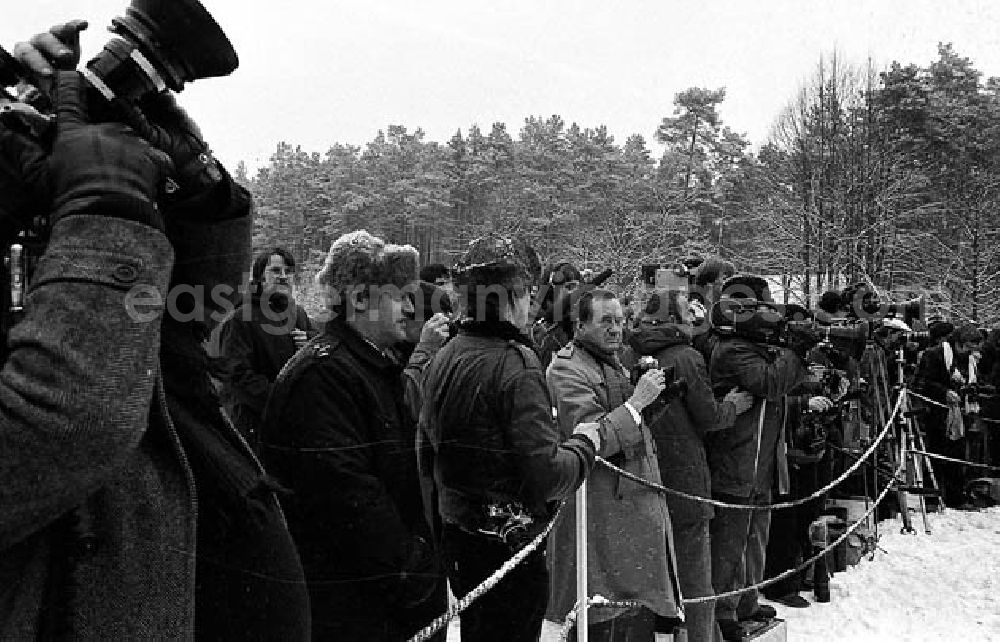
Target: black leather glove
(101,169)
(167,127)
(24,181)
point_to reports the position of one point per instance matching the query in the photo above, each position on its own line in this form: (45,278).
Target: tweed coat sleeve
(576,390)
(75,391)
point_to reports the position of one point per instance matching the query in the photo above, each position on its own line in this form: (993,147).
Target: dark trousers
(950,476)
(789,544)
(514,609)
(739,549)
(694,570)
(381,623)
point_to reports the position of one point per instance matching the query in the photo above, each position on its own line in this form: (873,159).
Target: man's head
(564,276)
(746,286)
(966,339)
(600,319)
(831,303)
(439,275)
(938,328)
(274,271)
(711,275)
(369,284)
(428,299)
(495,277)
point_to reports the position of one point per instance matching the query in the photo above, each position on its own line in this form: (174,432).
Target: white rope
(927,399)
(599,601)
(714,502)
(442,620)
(953,460)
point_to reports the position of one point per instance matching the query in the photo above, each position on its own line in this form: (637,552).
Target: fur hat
(360,259)
(495,259)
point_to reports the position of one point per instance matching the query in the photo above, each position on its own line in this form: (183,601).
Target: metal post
(582,595)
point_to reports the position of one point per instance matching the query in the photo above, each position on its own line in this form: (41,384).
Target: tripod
(909,439)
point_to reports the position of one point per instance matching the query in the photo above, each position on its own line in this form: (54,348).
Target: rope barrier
(927,399)
(953,460)
(801,567)
(942,405)
(798,502)
(597,601)
(601,602)
(442,620)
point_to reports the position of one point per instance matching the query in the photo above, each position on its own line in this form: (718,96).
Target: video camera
(678,276)
(862,302)
(764,322)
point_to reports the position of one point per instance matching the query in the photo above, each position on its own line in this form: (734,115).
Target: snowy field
(942,586)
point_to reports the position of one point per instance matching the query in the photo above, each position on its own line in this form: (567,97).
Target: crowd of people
(334,477)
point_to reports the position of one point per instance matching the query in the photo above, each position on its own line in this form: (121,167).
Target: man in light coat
(630,554)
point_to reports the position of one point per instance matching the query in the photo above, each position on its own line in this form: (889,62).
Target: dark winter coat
(487,422)
(751,454)
(103,457)
(256,343)
(337,433)
(680,431)
(630,554)
(933,380)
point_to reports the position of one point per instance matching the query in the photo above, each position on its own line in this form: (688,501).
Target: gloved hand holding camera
(105,165)
(156,116)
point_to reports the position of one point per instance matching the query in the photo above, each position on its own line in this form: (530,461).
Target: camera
(808,439)
(862,302)
(674,388)
(670,276)
(159,46)
(846,339)
(764,322)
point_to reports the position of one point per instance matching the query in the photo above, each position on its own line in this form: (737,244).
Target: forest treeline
(885,176)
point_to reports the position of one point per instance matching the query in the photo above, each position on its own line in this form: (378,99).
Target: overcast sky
(315,72)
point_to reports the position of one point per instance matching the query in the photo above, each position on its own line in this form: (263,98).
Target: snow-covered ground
(942,586)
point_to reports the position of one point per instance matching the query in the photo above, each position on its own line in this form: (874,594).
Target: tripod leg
(927,462)
(901,495)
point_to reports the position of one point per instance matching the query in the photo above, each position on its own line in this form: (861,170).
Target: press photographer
(663,335)
(112,427)
(496,461)
(630,547)
(813,420)
(944,374)
(747,461)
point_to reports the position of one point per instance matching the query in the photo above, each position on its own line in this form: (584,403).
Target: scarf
(619,387)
